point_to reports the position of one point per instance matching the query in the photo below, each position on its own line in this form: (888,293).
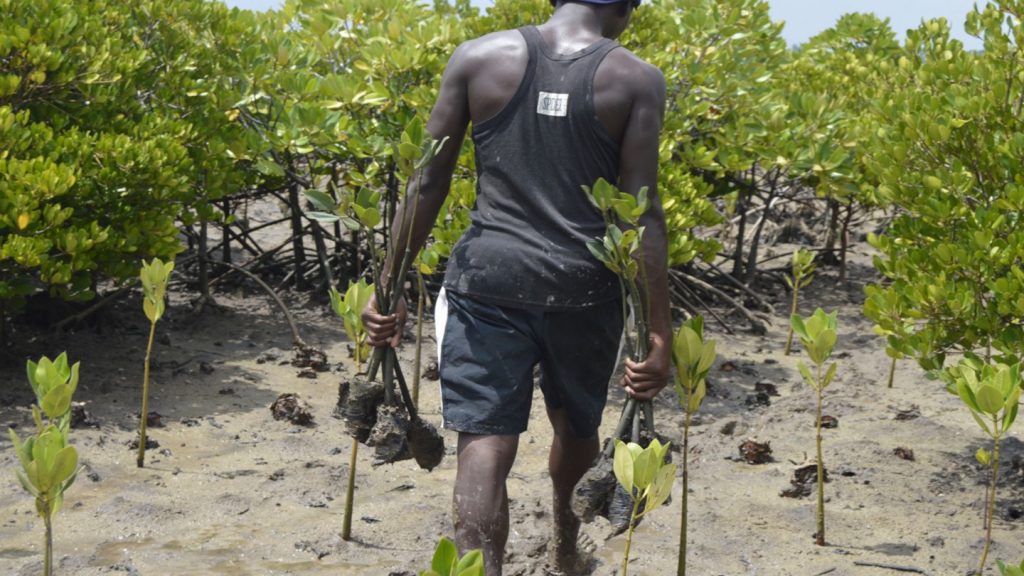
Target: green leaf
(57,402)
(26,484)
(24,456)
(64,465)
(806,373)
(799,327)
(472,564)
(984,457)
(661,487)
(829,376)
(967,395)
(989,399)
(645,467)
(325,217)
(622,465)
(445,557)
(321,200)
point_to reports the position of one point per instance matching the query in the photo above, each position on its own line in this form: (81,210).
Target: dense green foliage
(111,135)
(947,152)
(122,125)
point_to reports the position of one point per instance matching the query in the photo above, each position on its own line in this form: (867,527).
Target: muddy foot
(570,553)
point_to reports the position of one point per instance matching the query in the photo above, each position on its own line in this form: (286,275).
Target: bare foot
(569,553)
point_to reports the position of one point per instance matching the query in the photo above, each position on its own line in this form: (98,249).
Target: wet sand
(231,491)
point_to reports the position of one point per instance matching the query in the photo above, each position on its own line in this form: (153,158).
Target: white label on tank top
(550,104)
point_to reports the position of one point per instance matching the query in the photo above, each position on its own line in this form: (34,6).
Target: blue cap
(635,2)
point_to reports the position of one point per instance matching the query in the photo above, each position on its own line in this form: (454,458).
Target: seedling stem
(140,459)
(821,470)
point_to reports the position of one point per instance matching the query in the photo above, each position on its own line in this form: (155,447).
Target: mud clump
(151,444)
(81,418)
(599,493)
(912,413)
(425,443)
(805,476)
(754,452)
(904,453)
(358,401)
(431,371)
(290,407)
(312,358)
(388,436)
(593,492)
(758,400)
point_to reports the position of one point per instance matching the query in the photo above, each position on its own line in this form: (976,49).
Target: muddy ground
(231,491)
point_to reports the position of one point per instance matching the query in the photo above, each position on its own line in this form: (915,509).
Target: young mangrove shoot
(350,308)
(49,465)
(1010,569)
(992,393)
(693,357)
(802,275)
(362,213)
(154,278)
(818,336)
(646,477)
(446,561)
(889,311)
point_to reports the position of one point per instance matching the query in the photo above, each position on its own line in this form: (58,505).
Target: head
(614,14)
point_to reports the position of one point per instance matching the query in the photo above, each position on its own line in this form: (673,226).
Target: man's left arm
(639,168)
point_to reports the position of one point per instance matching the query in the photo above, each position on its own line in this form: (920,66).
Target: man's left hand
(643,380)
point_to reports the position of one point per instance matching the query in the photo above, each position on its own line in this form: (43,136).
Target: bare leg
(481,500)
(568,461)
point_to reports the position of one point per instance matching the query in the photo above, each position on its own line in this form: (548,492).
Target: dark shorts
(487,355)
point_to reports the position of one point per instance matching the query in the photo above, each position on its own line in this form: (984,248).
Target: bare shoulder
(625,68)
(490,48)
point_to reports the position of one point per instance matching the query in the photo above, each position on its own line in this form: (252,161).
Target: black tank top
(526,244)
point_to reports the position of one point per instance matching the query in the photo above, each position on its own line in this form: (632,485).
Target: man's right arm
(426,190)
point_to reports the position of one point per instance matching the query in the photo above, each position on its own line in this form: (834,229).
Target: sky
(805,18)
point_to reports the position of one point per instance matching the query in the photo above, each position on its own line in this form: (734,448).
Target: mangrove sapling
(446,561)
(693,357)
(349,308)
(646,477)
(992,393)
(619,251)
(818,336)
(154,288)
(1011,569)
(802,275)
(887,309)
(49,465)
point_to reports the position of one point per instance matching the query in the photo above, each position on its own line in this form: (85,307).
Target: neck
(581,18)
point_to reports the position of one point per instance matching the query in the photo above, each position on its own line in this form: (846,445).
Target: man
(553,108)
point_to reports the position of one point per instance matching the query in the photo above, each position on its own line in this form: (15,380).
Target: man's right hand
(384,330)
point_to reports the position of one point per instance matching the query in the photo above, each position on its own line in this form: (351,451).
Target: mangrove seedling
(802,275)
(888,309)
(362,212)
(646,477)
(818,336)
(349,307)
(446,561)
(620,251)
(49,465)
(154,278)
(693,357)
(1011,569)
(992,393)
